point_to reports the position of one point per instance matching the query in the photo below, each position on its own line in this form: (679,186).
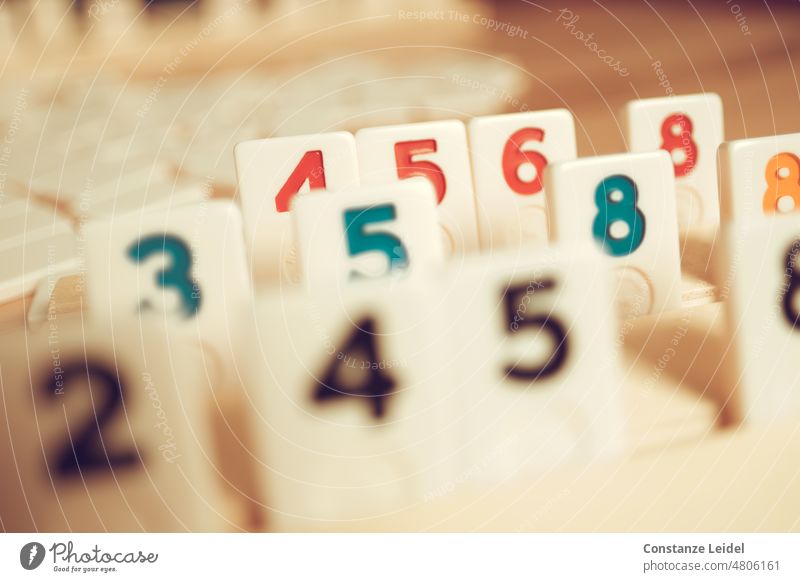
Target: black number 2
(375,387)
(87,452)
(516,310)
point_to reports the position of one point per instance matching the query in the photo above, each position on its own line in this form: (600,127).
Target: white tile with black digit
(624,205)
(105,431)
(763,309)
(368,233)
(531,346)
(690,128)
(509,154)
(759,176)
(345,390)
(435,150)
(270,173)
(186,267)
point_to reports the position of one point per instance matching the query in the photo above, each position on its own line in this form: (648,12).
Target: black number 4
(375,388)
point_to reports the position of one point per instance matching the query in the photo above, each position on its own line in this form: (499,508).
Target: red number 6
(514,157)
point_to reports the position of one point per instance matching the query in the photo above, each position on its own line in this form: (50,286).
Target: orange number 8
(783,180)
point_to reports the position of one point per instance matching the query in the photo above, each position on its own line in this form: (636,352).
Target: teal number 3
(616,198)
(359,240)
(176,276)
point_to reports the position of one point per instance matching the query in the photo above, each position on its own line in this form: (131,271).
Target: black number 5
(517,298)
(792,278)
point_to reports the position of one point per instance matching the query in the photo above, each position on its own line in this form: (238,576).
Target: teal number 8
(616,198)
(177,275)
(360,241)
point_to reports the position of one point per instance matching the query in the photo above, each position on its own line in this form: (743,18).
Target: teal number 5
(177,275)
(616,198)
(359,240)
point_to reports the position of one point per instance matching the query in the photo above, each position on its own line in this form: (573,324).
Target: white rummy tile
(436,150)
(185,266)
(347,393)
(270,173)
(624,206)
(690,128)
(759,176)
(104,432)
(367,233)
(509,154)
(529,338)
(763,309)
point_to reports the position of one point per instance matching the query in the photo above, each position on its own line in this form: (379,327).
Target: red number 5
(514,157)
(408,167)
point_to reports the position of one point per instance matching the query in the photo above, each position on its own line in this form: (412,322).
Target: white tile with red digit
(435,150)
(271,172)
(690,128)
(509,155)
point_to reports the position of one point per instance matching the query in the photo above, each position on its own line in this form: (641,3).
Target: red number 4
(311,169)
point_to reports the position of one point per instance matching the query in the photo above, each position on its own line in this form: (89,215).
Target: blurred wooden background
(745,51)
